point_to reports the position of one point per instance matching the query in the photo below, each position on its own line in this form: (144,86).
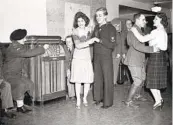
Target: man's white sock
(20,103)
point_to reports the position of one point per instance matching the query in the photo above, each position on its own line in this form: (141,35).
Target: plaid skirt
(157,71)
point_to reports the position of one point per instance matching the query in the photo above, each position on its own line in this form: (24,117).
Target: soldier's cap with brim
(18,34)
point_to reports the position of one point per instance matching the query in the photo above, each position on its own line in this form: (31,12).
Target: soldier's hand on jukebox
(46,46)
(118,56)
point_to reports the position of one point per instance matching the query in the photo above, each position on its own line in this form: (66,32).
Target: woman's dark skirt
(157,71)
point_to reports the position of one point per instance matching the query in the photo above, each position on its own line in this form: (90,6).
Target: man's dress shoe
(24,109)
(8,114)
(105,107)
(98,102)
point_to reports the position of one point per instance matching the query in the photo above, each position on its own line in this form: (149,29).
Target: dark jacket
(107,34)
(15,56)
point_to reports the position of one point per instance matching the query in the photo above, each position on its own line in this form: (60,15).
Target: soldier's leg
(140,91)
(19,98)
(6,96)
(98,80)
(6,99)
(135,72)
(108,82)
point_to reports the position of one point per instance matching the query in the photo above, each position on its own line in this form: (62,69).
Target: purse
(123,74)
(28,99)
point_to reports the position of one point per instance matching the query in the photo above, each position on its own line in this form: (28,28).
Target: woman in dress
(81,67)
(157,62)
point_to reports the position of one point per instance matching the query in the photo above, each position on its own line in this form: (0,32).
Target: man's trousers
(103,79)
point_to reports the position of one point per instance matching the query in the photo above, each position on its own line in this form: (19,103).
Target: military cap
(18,34)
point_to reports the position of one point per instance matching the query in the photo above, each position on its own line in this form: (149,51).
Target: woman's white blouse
(160,39)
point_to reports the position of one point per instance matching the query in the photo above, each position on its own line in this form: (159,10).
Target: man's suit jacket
(136,52)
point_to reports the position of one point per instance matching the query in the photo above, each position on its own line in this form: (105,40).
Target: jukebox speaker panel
(47,71)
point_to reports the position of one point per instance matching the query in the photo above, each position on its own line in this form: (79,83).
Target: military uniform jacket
(15,56)
(136,52)
(107,34)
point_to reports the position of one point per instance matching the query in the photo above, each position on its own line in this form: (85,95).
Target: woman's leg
(86,90)
(78,89)
(159,95)
(156,96)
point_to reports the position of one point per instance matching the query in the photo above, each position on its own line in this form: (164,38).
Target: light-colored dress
(81,67)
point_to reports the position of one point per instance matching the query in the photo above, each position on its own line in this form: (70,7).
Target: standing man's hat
(18,34)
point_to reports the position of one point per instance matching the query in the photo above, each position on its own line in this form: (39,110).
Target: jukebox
(47,70)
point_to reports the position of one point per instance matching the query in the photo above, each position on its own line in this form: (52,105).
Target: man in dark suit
(103,63)
(135,59)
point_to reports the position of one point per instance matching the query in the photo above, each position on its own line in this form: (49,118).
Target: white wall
(32,15)
(113,6)
(29,14)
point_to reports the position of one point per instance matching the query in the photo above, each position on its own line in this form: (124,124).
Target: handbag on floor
(28,99)
(123,74)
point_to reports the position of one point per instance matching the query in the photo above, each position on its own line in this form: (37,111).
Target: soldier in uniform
(135,59)
(103,62)
(15,55)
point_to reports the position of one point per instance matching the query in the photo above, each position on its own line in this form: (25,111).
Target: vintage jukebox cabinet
(47,71)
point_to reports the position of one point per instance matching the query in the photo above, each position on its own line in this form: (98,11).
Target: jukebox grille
(47,72)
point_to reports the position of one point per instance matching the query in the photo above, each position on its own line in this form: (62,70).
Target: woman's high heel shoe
(159,105)
(85,102)
(78,106)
